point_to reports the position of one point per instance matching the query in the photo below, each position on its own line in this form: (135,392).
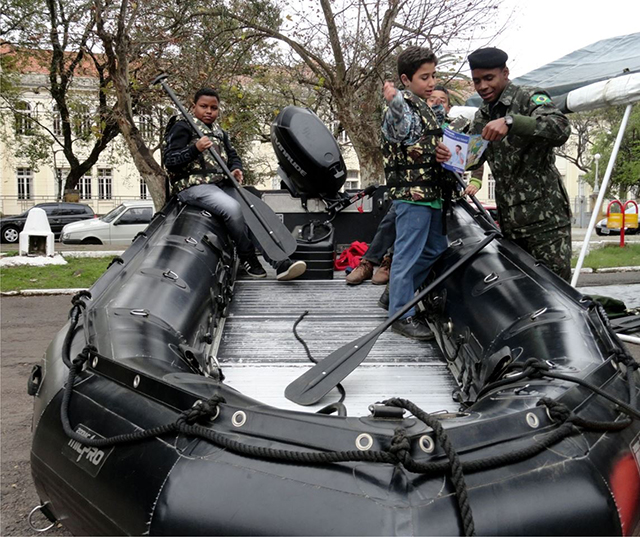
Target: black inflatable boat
(142,426)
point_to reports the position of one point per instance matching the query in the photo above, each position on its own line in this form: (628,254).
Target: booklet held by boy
(466,150)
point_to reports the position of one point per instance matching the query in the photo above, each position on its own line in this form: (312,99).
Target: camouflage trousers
(553,248)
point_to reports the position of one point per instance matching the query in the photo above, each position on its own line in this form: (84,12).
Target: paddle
(479,205)
(276,240)
(313,385)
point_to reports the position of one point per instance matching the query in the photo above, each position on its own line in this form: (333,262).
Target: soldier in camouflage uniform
(523,126)
(412,150)
(197,180)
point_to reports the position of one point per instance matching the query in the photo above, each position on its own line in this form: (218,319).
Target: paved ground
(27,326)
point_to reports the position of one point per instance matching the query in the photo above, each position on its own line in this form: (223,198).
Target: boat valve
(386,412)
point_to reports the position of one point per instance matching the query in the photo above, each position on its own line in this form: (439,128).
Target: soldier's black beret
(487,58)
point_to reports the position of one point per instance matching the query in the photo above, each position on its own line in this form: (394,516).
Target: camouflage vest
(204,169)
(412,171)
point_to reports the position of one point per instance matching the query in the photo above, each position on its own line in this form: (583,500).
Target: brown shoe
(381,277)
(362,272)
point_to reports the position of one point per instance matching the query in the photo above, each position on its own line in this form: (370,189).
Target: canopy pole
(603,190)
(629,339)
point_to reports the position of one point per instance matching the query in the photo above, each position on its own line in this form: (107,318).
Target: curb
(46,292)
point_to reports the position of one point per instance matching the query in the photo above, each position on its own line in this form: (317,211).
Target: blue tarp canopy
(603,60)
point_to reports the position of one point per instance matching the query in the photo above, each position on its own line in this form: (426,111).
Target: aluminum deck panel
(260,355)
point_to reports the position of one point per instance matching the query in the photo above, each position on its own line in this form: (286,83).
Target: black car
(58,214)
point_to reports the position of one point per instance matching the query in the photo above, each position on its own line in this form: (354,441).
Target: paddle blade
(313,385)
(274,237)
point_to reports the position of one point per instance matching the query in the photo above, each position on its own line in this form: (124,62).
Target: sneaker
(362,272)
(381,277)
(251,267)
(412,328)
(290,270)
(383,302)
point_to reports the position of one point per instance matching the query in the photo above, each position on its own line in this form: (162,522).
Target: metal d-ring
(191,240)
(31,524)
(205,213)
(170,275)
(456,243)
(490,277)
(140,313)
(537,314)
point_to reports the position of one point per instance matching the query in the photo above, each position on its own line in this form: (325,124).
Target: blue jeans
(214,198)
(383,239)
(419,242)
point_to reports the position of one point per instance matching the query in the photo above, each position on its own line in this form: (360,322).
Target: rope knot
(558,412)
(77,298)
(538,367)
(201,410)
(400,445)
(83,356)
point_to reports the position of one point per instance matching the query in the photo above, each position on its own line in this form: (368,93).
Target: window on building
(491,187)
(145,124)
(353,180)
(25,183)
(104,183)
(82,121)
(144,190)
(57,120)
(23,119)
(85,186)
(61,176)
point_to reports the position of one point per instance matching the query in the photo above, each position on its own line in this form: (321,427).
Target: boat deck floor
(260,354)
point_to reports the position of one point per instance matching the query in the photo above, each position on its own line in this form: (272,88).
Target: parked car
(602,229)
(120,226)
(58,214)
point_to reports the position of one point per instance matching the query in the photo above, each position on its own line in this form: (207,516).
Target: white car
(120,226)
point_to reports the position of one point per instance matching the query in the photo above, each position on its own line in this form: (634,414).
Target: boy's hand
(239,176)
(389,91)
(471,190)
(495,130)
(442,153)
(203,144)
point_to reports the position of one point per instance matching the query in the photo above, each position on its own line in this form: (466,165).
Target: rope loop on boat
(457,476)
(400,445)
(204,410)
(74,315)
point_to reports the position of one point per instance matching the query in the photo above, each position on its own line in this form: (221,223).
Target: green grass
(611,255)
(77,273)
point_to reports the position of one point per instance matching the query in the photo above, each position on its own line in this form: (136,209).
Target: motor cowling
(311,164)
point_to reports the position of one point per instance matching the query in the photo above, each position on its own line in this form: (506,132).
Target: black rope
(402,452)
(74,315)
(343,393)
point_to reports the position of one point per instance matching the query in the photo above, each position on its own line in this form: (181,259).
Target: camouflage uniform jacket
(530,195)
(187,166)
(409,152)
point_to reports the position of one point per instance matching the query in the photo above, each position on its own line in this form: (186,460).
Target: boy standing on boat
(197,180)
(523,127)
(412,150)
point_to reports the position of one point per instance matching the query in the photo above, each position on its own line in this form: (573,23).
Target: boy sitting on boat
(412,152)
(197,180)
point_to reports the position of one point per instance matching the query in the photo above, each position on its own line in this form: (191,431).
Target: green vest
(204,169)
(412,172)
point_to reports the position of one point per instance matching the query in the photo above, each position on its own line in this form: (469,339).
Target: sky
(541,32)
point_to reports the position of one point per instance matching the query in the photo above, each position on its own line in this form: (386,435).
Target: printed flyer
(466,150)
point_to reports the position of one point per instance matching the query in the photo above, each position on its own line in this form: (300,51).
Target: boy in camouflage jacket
(412,151)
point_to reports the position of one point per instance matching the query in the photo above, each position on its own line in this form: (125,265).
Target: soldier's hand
(495,130)
(442,153)
(203,143)
(239,176)
(389,91)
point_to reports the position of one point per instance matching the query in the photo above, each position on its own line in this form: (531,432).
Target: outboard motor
(311,165)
